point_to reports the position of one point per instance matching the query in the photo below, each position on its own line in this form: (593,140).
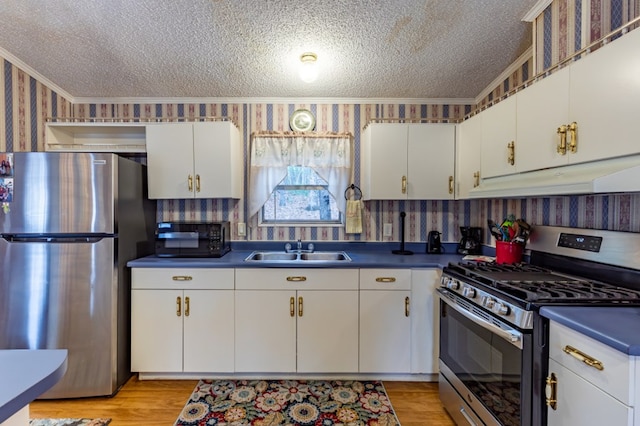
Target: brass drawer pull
(178,306)
(182,278)
(406,306)
(296,279)
(551,391)
(186,306)
(385,280)
(562,141)
(511,148)
(450,184)
(573,130)
(190,182)
(300,306)
(197,183)
(476,179)
(404,184)
(581,356)
(292,306)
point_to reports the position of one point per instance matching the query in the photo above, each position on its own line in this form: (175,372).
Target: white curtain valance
(330,155)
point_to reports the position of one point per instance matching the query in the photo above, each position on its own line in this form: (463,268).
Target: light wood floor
(159,402)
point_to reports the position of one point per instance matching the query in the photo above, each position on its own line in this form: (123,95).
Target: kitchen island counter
(614,326)
(27,374)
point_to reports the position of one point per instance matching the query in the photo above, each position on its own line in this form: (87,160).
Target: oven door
(485,360)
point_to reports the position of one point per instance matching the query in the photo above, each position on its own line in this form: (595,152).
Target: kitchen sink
(284,257)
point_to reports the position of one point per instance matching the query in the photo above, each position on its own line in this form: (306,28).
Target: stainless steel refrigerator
(69,223)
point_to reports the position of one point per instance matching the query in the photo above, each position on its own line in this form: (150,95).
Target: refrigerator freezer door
(62,295)
(61,193)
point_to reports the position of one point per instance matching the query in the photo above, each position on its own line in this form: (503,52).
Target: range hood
(605,176)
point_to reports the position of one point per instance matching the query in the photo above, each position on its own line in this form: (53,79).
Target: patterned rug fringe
(288,402)
(69,422)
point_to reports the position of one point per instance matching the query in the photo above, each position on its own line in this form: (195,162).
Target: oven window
(489,366)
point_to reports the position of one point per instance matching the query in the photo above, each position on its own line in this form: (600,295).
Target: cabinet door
(385,331)
(327,331)
(170,160)
(208,331)
(430,161)
(384,161)
(156,330)
(217,160)
(581,403)
(604,100)
(265,326)
(425,317)
(468,143)
(498,131)
(542,108)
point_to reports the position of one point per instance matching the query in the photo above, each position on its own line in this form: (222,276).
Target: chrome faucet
(310,247)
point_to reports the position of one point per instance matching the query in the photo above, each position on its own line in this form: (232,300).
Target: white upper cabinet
(407,161)
(468,151)
(605,89)
(542,108)
(499,150)
(194,160)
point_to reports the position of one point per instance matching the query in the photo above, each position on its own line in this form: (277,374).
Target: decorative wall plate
(302,120)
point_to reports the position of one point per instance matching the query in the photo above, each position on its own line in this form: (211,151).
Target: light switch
(387,230)
(242,229)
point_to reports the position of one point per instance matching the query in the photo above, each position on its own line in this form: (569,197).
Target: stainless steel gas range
(493,342)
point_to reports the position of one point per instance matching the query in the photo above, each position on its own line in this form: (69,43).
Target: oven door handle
(510,335)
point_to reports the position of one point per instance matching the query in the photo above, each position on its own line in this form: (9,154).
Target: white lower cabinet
(385,321)
(585,395)
(182,320)
(296,320)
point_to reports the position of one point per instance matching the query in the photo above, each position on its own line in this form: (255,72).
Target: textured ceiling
(422,49)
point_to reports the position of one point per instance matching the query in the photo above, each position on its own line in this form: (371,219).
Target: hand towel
(353,223)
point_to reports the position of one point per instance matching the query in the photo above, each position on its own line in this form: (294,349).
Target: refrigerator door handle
(53,239)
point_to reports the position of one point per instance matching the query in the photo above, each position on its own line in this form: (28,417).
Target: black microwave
(187,239)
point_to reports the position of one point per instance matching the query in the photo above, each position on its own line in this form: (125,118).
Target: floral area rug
(288,402)
(69,422)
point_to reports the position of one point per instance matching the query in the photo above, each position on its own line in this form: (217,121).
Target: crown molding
(536,10)
(506,73)
(259,100)
(35,74)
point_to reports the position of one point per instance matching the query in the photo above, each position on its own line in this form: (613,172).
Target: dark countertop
(359,259)
(27,374)
(614,326)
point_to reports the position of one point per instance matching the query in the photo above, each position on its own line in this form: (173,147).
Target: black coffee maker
(471,241)
(434,245)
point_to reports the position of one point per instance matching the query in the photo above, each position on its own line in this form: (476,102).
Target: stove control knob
(487,302)
(444,280)
(453,284)
(469,292)
(501,309)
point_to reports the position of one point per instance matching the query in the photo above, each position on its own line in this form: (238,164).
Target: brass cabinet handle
(551,391)
(573,129)
(404,184)
(186,306)
(476,179)
(296,279)
(562,141)
(190,181)
(581,356)
(182,278)
(178,306)
(197,183)
(450,184)
(511,148)
(385,280)
(406,306)
(292,306)
(300,306)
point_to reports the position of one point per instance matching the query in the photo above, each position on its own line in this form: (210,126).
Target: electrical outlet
(242,229)
(387,230)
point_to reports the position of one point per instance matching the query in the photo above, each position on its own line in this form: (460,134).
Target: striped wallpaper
(26,104)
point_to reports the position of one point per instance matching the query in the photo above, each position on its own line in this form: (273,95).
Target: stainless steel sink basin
(285,257)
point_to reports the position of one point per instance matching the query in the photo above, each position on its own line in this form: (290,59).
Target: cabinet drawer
(182,278)
(296,279)
(385,279)
(617,373)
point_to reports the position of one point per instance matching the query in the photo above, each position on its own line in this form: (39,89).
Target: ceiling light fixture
(308,67)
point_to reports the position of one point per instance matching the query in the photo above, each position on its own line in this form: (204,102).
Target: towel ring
(357,192)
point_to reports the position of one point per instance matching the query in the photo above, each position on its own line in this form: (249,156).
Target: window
(299,179)
(302,197)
